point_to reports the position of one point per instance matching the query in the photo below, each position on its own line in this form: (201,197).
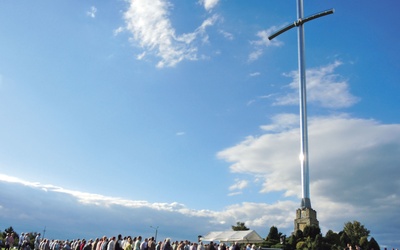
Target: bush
(301,245)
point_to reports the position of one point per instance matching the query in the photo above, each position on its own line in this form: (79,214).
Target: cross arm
(300,22)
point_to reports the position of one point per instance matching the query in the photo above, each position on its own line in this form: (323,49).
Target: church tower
(305,217)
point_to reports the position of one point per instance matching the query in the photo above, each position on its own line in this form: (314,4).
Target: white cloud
(70,214)
(260,97)
(118,31)
(206,23)
(235,193)
(352,166)
(250,102)
(141,55)
(152,30)
(255,55)
(324,87)
(239,185)
(209,4)
(255,74)
(92,12)
(282,122)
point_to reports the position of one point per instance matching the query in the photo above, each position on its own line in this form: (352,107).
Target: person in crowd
(37,241)
(118,242)
(94,245)
(167,244)
(82,244)
(21,241)
(98,247)
(128,245)
(138,242)
(104,243)
(9,240)
(56,245)
(187,245)
(200,246)
(26,242)
(158,246)
(66,245)
(111,243)
(143,245)
(194,246)
(181,245)
(151,245)
(46,245)
(88,245)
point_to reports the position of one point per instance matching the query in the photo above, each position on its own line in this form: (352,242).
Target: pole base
(305,203)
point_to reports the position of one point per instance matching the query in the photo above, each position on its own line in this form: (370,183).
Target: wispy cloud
(118,31)
(152,30)
(262,42)
(92,12)
(324,87)
(282,122)
(97,199)
(227,35)
(260,98)
(255,74)
(239,185)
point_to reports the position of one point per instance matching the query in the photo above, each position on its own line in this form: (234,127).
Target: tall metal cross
(305,201)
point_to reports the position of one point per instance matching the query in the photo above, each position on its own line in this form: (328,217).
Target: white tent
(248,236)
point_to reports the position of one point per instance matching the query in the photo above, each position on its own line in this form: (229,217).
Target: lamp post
(155,237)
(44,231)
(305,202)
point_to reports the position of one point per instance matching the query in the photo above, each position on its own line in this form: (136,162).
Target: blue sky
(121,115)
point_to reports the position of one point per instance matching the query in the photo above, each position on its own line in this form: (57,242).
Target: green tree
(355,231)
(311,231)
(332,238)
(291,242)
(273,233)
(273,237)
(363,242)
(301,245)
(9,230)
(299,234)
(318,241)
(240,226)
(344,239)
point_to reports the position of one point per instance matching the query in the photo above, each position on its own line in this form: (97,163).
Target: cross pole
(305,201)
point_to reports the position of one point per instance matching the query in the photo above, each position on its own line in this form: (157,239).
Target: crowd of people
(117,243)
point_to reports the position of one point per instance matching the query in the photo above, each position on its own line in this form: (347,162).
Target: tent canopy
(248,236)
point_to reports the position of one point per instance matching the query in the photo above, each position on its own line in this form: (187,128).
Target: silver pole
(305,180)
(299,23)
